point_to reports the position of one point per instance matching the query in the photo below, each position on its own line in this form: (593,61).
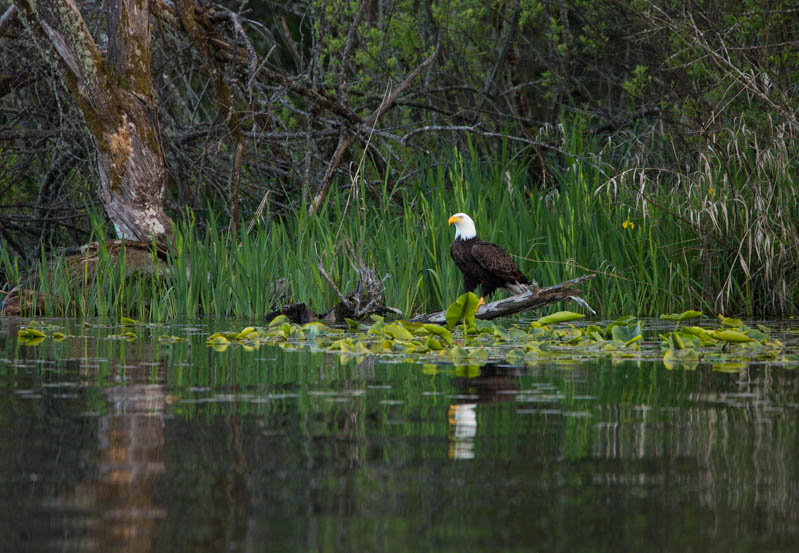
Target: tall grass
(720,238)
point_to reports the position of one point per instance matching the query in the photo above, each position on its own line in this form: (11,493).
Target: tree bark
(117,100)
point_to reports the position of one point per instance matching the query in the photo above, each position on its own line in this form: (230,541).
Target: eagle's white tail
(519,288)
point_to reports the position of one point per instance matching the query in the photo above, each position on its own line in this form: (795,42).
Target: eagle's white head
(464,226)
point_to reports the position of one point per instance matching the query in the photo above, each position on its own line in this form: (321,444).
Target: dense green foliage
(652,143)
(722,239)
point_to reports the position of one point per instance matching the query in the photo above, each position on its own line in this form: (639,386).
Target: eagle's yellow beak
(454,219)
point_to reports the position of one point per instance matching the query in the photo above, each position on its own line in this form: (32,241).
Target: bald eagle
(482,262)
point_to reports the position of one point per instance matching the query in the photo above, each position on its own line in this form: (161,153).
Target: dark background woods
(270,106)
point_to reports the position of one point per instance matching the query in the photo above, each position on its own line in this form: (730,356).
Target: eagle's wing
(471,273)
(494,260)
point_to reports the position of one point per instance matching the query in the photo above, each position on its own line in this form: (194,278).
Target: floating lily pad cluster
(729,345)
(726,343)
(35,333)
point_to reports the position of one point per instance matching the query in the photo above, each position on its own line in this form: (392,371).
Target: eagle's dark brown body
(486,264)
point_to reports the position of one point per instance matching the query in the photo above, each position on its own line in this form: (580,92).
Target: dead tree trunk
(115,95)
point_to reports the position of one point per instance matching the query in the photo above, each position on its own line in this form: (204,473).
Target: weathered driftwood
(522,302)
(367,297)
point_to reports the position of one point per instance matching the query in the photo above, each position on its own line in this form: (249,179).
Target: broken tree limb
(516,304)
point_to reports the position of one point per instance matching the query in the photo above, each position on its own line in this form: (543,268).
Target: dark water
(107,445)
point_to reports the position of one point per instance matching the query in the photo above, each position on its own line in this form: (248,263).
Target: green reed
(721,238)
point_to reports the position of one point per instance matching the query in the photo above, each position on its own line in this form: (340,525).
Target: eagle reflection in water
(492,383)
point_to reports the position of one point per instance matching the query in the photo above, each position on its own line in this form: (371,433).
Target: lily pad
(732,336)
(30,333)
(684,316)
(277,321)
(560,317)
(398,332)
(681,358)
(31,340)
(730,367)
(731,322)
(440,331)
(625,333)
(245,332)
(462,309)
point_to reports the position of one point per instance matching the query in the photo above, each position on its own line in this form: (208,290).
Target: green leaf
(245,332)
(732,336)
(478,354)
(621,321)
(730,366)
(397,332)
(560,317)
(168,338)
(757,334)
(467,371)
(681,358)
(433,344)
(699,332)
(129,322)
(515,356)
(731,322)
(376,328)
(633,340)
(352,324)
(764,329)
(279,320)
(31,340)
(440,331)
(315,328)
(416,328)
(462,310)
(357,348)
(30,333)
(627,332)
(685,315)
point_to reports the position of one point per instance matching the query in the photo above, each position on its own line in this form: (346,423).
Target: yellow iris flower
(627,224)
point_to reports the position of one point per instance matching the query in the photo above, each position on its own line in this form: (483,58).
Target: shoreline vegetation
(277,152)
(721,237)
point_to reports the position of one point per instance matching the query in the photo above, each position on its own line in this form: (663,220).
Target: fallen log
(532,299)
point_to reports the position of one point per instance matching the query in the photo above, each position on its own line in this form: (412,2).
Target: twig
(252,57)
(7,18)
(330,281)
